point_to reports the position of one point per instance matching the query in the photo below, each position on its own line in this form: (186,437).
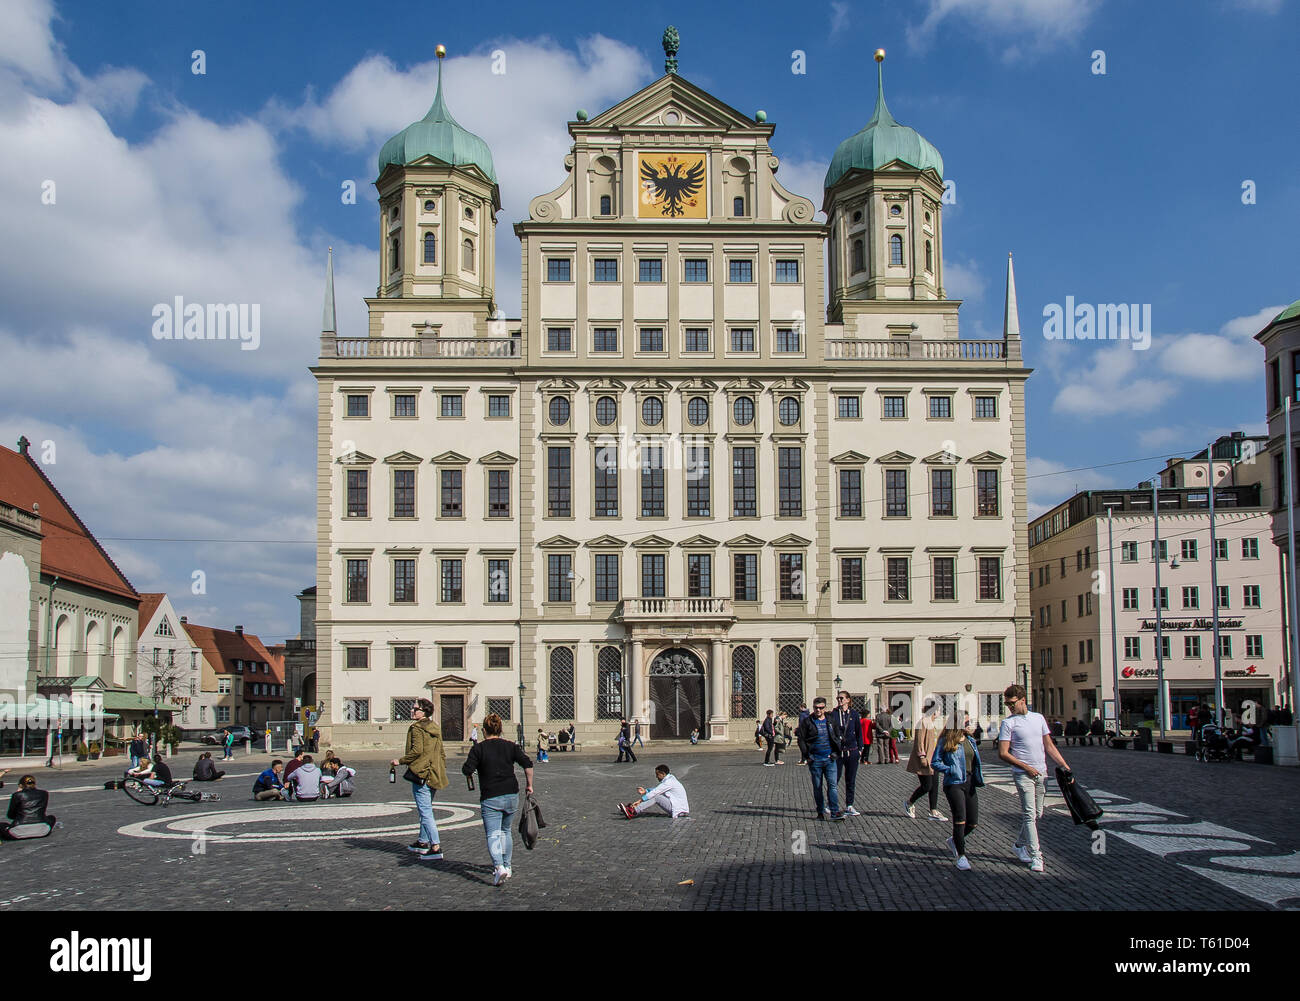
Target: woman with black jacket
(493,759)
(27,806)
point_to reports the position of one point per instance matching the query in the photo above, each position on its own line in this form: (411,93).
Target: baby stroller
(1212,744)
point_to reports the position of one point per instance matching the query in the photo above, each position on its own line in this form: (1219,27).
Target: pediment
(851,455)
(697,108)
(942,459)
(746,540)
(450,458)
(355,458)
(699,542)
(652,385)
(744,386)
(987,457)
(403,458)
(654,542)
(451,681)
(606,542)
(790,385)
(552,385)
(898,678)
(498,459)
(791,540)
(606,385)
(698,383)
(896,457)
(558,542)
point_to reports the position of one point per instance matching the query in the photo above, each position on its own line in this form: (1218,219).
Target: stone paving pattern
(737,846)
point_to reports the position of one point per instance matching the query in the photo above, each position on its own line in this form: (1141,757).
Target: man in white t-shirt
(669,795)
(1025,743)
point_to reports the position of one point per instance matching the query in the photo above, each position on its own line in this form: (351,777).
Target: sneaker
(936,815)
(768,764)
(627,810)
(780,762)
(506,874)
(1022,853)
(837,817)
(851,811)
(1037,864)
(420,847)
(498,874)
(963,864)
(909,809)
(952,847)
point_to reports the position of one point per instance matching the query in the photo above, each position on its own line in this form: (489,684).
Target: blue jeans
(498,812)
(424,803)
(824,766)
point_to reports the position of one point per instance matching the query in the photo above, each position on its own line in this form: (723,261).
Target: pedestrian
(798,734)
(925,738)
(758,734)
(542,741)
(426,769)
(783,734)
(867,726)
(767,729)
(884,725)
(848,727)
(136,749)
(636,734)
(625,742)
(230,746)
(1025,743)
(821,748)
(669,795)
(573,738)
(473,735)
(267,740)
(695,735)
(297,739)
(978,734)
(493,760)
(958,759)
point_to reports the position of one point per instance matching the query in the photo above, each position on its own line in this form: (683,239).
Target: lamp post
(521,713)
(1160,635)
(839,683)
(1024,678)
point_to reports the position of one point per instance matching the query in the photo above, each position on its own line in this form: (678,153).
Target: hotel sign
(1180,625)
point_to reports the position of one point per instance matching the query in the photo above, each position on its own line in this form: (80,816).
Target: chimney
(239,630)
(22,445)
(184,620)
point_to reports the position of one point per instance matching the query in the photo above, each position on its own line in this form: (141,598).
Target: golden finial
(440,51)
(880,55)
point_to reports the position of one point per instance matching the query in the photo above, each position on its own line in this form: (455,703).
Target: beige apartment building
(681,487)
(1075,649)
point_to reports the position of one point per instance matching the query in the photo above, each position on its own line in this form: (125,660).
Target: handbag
(410,776)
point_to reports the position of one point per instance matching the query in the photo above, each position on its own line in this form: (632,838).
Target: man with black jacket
(822,747)
(847,725)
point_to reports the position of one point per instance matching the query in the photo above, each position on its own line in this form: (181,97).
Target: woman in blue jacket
(957,759)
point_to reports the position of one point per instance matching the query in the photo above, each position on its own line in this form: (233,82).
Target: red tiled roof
(68,550)
(222,647)
(149,602)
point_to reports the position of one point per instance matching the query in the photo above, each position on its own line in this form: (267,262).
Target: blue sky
(1122,187)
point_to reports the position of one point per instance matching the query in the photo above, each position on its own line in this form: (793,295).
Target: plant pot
(81,757)
(94,755)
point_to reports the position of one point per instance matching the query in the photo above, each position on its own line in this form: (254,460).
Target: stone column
(636,683)
(718,687)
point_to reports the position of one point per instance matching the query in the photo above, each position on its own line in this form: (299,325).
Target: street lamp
(521,713)
(839,683)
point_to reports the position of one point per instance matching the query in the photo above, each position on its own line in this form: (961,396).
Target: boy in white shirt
(668,795)
(1025,743)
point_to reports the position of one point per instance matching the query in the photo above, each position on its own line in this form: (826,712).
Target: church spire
(327,324)
(881,115)
(1010,314)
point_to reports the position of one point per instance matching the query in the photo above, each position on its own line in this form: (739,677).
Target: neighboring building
(682,486)
(1072,669)
(249,681)
(300,654)
(169,664)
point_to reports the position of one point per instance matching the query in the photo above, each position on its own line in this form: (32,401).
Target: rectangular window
(498,493)
(1225,646)
(986,407)
(941,493)
(451,490)
(604,339)
(898,654)
(1254,646)
(452,405)
(697,338)
(223,714)
(1132,647)
(940,407)
(453,581)
(498,659)
(895,493)
(897,579)
(1220,549)
(403,658)
(1188,549)
(652,339)
(944,569)
(404,493)
(742,339)
(403,405)
(358,405)
(990,578)
(559,501)
(1130,599)
(1164,550)
(853,654)
(1192,647)
(498,582)
(894,407)
(557,269)
(1079,607)
(699,483)
(559,339)
(559,577)
(1249,549)
(1191,597)
(607,588)
(403,581)
(605,269)
(651,269)
(358,493)
(792,583)
(744,580)
(851,578)
(697,270)
(451,658)
(744,482)
(699,575)
(741,272)
(605,478)
(1224,591)
(1250,596)
(991,652)
(358,580)
(790,482)
(787,340)
(850,407)
(652,575)
(945,654)
(1128,552)
(850,493)
(1163,598)
(498,406)
(652,483)
(787,272)
(987,502)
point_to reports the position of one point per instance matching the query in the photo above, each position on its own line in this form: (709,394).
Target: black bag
(410,776)
(1083,808)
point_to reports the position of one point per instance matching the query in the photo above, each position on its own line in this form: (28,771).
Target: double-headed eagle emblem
(674,183)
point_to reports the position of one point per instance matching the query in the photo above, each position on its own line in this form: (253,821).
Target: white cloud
(1162,437)
(1259,6)
(963,280)
(112,90)
(839,16)
(804,177)
(27,45)
(1038,24)
(1050,482)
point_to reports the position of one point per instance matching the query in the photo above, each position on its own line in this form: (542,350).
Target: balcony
(906,349)
(675,609)
(421,347)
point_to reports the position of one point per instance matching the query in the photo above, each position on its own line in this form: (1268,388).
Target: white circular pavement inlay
(281,822)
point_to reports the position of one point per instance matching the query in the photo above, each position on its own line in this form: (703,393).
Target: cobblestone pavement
(752,842)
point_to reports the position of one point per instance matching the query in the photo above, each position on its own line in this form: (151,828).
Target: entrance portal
(676,695)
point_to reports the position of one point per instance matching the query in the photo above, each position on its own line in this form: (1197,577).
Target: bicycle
(142,792)
(1120,734)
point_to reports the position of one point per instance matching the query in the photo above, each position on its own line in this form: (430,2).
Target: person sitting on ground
(338,781)
(27,808)
(306,780)
(668,795)
(205,769)
(269,784)
(293,765)
(154,772)
(1097,731)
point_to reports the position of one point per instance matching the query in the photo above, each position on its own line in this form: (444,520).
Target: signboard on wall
(672,185)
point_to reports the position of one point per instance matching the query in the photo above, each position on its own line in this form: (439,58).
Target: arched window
(895,249)
(93,651)
(467,254)
(652,411)
(609,683)
(560,689)
(119,657)
(606,205)
(738,207)
(430,248)
(606,411)
(789,678)
(395,254)
(559,411)
(744,684)
(929,257)
(743,411)
(789,410)
(697,411)
(859,256)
